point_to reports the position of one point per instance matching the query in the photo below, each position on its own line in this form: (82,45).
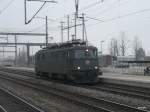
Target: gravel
(52,103)
(47,102)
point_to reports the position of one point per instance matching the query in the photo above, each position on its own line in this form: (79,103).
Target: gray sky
(129,16)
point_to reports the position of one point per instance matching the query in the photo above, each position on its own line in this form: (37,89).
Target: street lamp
(102,46)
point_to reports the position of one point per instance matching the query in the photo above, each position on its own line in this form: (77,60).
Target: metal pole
(25,11)
(15,50)
(7,38)
(68,28)
(102,47)
(19,57)
(83,29)
(28,55)
(77,6)
(62,37)
(19,53)
(75,17)
(3,52)
(46,32)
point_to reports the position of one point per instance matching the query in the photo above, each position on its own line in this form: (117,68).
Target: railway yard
(21,90)
(74,56)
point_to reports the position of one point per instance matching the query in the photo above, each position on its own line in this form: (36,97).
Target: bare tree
(140,54)
(136,46)
(123,43)
(114,49)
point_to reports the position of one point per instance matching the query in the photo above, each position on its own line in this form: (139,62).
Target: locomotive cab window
(86,53)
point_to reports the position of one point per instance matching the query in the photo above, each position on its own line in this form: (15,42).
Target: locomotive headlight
(78,68)
(96,67)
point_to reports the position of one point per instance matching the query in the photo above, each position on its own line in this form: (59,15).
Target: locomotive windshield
(86,53)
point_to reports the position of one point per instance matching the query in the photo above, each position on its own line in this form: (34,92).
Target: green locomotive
(74,61)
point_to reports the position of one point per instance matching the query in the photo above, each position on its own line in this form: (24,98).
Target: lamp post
(102,46)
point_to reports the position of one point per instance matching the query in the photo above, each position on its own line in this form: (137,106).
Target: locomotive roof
(67,46)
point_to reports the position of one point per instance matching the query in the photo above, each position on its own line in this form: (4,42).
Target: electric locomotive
(75,61)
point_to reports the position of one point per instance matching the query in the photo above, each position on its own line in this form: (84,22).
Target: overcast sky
(129,16)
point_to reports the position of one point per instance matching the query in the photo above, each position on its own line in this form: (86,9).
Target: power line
(89,6)
(121,16)
(112,6)
(94,4)
(1,11)
(34,15)
(94,19)
(84,8)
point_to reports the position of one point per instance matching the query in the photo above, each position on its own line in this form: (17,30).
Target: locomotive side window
(88,53)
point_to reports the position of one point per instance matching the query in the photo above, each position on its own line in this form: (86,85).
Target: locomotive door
(69,60)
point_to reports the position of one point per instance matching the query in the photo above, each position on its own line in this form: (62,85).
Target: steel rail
(58,94)
(94,102)
(2,109)
(135,94)
(22,100)
(107,87)
(141,90)
(18,71)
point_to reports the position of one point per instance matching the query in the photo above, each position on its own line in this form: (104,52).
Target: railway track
(96,104)
(2,109)
(12,103)
(136,92)
(122,90)
(21,72)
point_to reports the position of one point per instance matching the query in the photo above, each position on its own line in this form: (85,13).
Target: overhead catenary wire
(84,8)
(94,4)
(2,10)
(114,18)
(111,6)
(90,6)
(118,17)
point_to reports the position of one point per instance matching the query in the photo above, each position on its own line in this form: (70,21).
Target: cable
(89,6)
(84,8)
(92,5)
(112,6)
(121,16)
(94,19)
(1,11)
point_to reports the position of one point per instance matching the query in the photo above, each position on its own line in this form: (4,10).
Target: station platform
(114,78)
(124,79)
(22,68)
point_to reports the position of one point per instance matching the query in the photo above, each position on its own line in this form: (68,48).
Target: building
(105,60)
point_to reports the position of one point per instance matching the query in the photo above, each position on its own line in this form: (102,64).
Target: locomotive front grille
(85,76)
